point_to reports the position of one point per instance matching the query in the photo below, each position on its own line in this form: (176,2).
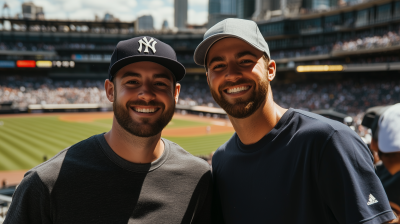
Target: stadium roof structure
(361,4)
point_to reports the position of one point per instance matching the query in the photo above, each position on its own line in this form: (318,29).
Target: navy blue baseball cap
(145,48)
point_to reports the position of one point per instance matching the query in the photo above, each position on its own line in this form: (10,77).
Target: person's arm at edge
(347,164)
(216,209)
(31,202)
(203,213)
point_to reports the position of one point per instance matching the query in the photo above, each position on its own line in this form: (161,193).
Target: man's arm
(202,213)
(348,184)
(31,202)
(394,221)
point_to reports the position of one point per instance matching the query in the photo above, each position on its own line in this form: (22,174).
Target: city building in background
(319,4)
(31,11)
(108,17)
(180,13)
(228,7)
(245,9)
(145,22)
(219,10)
(5,12)
(278,9)
(165,25)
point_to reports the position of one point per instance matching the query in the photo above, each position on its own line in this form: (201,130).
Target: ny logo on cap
(147,44)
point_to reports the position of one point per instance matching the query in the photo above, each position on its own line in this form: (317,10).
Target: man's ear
(109,87)
(271,70)
(177,91)
(208,81)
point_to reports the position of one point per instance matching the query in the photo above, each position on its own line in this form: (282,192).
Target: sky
(125,10)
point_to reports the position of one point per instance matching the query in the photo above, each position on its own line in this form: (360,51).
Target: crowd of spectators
(88,46)
(365,41)
(347,96)
(46,91)
(196,93)
(19,46)
(369,42)
(316,50)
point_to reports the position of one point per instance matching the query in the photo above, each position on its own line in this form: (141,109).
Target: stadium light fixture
(319,68)
(26,63)
(44,64)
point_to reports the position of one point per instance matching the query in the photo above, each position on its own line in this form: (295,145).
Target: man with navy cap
(281,165)
(129,174)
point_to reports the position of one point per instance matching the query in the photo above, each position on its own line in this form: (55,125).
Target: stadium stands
(347,96)
(363,38)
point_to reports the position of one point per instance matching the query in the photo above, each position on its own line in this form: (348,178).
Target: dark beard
(242,108)
(144,129)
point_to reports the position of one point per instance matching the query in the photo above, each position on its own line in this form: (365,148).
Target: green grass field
(24,141)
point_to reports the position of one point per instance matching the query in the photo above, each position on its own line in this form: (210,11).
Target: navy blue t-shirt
(307,169)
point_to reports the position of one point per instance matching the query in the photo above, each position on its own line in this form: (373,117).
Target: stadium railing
(5,202)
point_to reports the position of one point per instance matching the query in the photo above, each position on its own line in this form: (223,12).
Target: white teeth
(238,89)
(145,110)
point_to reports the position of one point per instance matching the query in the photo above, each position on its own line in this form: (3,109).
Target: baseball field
(26,140)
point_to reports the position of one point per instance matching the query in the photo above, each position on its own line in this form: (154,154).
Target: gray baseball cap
(246,30)
(388,130)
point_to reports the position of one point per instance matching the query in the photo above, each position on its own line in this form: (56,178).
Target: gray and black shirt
(89,183)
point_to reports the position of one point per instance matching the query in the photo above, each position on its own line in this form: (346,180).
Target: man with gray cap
(281,165)
(388,138)
(129,174)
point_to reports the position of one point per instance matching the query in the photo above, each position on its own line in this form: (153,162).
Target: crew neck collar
(268,137)
(133,167)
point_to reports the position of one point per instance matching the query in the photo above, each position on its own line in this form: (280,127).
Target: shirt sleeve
(203,213)
(351,191)
(216,212)
(30,203)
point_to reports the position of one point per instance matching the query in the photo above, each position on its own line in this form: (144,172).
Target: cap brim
(202,50)
(177,69)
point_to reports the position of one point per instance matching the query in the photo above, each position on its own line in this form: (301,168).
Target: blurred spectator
(364,41)
(19,46)
(347,96)
(316,50)
(388,39)
(388,142)
(46,91)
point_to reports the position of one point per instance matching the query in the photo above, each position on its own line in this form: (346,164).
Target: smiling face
(237,76)
(144,97)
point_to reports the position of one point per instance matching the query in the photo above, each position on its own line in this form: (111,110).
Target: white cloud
(87,9)
(202,3)
(195,17)
(155,4)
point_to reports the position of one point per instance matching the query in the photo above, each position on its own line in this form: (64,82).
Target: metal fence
(5,202)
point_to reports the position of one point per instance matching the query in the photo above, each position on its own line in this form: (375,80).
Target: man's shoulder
(318,124)
(219,153)
(49,171)
(185,159)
